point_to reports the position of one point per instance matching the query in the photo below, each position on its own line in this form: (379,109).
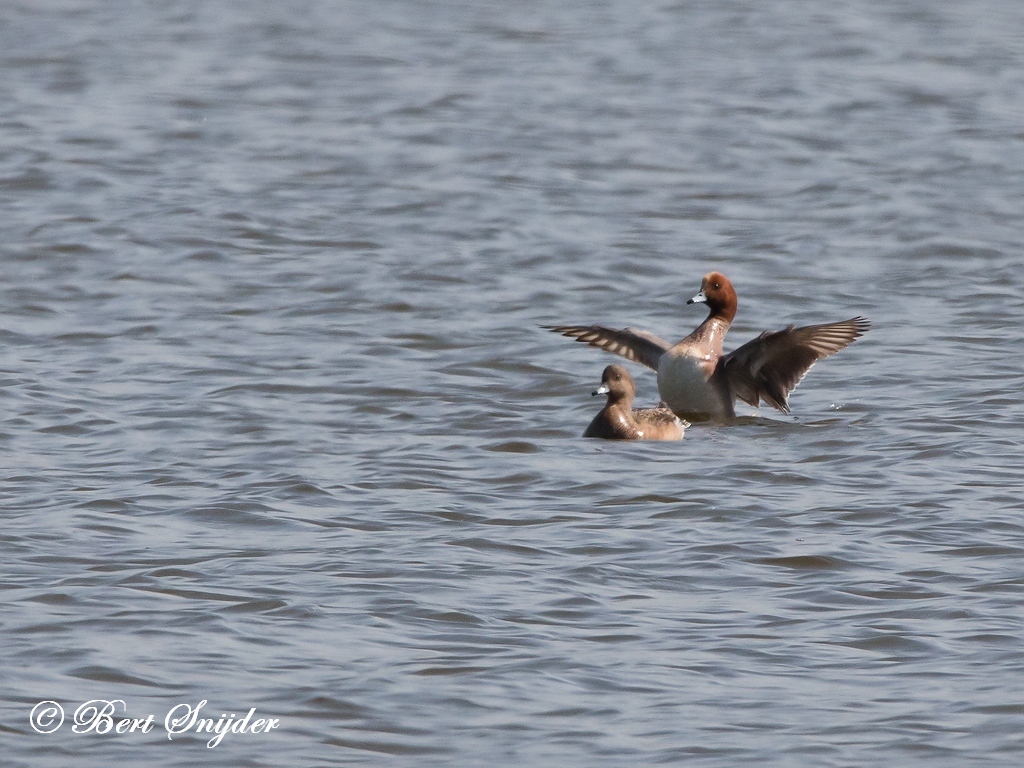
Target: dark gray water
(280,430)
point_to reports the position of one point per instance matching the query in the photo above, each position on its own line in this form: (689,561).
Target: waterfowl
(697,380)
(618,421)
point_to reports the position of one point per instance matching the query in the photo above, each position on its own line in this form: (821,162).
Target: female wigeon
(618,421)
(697,381)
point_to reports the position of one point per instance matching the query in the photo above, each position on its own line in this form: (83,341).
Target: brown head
(717,292)
(617,384)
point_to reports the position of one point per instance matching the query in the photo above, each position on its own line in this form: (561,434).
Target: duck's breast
(683,382)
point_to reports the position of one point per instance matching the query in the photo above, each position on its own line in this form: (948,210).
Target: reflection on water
(281,430)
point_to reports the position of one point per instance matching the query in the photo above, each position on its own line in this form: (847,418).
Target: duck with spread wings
(696,379)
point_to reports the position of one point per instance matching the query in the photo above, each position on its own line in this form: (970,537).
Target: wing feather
(639,346)
(769,367)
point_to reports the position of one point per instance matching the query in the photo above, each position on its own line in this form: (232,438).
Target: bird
(697,381)
(618,421)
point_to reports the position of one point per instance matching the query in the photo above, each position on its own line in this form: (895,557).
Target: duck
(697,380)
(618,421)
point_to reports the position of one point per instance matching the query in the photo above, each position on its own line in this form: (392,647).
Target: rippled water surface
(280,429)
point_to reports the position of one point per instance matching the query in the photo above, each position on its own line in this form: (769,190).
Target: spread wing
(769,367)
(639,346)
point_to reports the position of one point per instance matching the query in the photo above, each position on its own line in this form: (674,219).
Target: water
(280,430)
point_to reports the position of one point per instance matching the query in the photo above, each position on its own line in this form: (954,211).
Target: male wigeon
(618,421)
(697,381)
